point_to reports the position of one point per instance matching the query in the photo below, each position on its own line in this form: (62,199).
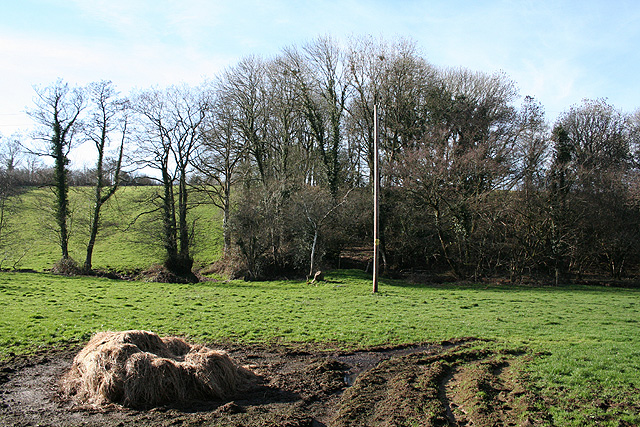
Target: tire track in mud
(446,402)
(477,394)
(465,383)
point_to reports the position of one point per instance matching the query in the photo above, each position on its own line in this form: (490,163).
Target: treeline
(475,181)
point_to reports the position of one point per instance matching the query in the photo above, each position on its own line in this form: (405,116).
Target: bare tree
(323,86)
(57,113)
(154,144)
(394,76)
(171,131)
(317,206)
(367,60)
(244,88)
(11,152)
(292,156)
(218,159)
(528,206)
(108,116)
(411,92)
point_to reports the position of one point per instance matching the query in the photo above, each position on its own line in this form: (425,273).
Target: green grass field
(584,339)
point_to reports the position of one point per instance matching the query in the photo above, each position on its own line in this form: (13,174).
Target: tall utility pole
(376,197)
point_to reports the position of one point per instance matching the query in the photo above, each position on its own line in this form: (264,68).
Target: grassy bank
(584,339)
(127,240)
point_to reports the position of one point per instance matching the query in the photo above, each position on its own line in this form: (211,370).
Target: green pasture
(128,238)
(583,340)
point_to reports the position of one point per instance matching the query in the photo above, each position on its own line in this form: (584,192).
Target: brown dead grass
(140,369)
(160,273)
(66,267)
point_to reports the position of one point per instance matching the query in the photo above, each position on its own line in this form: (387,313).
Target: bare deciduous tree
(243,87)
(218,159)
(108,117)
(320,72)
(170,133)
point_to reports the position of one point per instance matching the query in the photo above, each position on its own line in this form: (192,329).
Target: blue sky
(560,52)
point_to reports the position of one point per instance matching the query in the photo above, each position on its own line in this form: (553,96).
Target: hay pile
(139,369)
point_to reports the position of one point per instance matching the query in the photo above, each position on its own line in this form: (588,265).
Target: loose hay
(140,369)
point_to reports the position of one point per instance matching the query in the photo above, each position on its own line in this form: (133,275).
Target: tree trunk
(101,199)
(169,223)
(183,225)
(313,253)
(61,191)
(226,234)
(92,236)
(96,212)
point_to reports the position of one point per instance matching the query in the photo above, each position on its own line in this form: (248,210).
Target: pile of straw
(140,369)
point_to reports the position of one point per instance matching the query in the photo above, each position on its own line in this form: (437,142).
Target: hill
(127,239)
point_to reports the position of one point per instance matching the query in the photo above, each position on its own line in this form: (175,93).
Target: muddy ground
(457,383)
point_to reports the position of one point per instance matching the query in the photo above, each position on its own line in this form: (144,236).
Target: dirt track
(446,384)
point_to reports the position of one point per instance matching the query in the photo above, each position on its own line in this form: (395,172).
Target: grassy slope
(587,336)
(120,245)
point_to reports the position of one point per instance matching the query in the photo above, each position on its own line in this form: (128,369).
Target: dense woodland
(475,181)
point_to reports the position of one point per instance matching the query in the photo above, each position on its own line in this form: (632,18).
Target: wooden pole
(376,197)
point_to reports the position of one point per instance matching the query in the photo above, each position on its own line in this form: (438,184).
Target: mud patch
(446,384)
(462,384)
